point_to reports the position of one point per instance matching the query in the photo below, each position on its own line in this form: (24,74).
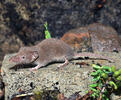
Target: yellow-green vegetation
(43,94)
(47,33)
(106,80)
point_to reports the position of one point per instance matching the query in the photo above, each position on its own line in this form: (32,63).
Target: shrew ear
(35,54)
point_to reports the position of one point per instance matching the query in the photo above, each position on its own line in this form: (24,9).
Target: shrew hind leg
(64,64)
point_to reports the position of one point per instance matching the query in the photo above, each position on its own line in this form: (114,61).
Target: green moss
(45,94)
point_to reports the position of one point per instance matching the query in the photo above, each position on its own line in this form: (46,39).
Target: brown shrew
(50,50)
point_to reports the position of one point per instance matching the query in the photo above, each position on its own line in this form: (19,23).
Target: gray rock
(71,78)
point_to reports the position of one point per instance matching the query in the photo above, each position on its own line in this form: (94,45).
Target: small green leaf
(119,78)
(93,89)
(119,71)
(107,72)
(86,92)
(107,68)
(96,73)
(116,73)
(113,84)
(93,95)
(47,33)
(96,66)
(113,68)
(96,79)
(103,95)
(104,75)
(93,85)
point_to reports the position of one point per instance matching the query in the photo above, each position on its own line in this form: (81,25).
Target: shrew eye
(23,57)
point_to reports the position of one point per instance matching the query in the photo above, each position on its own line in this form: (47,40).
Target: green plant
(45,94)
(47,33)
(106,80)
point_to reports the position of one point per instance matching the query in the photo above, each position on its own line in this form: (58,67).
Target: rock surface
(79,39)
(94,37)
(103,38)
(70,79)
